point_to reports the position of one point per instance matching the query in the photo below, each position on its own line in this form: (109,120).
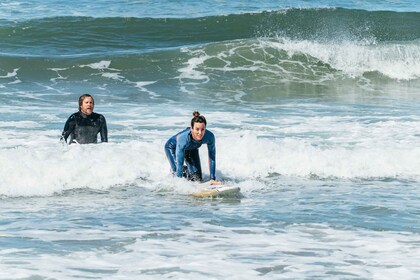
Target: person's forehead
(197,124)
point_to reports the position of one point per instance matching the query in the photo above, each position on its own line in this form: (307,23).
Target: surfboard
(218,191)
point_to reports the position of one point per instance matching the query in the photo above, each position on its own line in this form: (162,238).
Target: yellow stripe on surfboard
(217,191)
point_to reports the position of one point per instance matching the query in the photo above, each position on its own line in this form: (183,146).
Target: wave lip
(394,60)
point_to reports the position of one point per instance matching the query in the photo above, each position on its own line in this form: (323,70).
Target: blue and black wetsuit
(84,129)
(182,147)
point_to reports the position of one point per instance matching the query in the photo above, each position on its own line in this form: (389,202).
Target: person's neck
(84,114)
(198,141)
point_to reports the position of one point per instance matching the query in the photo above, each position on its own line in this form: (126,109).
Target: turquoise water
(314,104)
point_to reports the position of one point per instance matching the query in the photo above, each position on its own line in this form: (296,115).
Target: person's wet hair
(198,119)
(82,97)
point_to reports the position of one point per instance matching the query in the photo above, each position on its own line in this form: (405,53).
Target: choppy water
(315,107)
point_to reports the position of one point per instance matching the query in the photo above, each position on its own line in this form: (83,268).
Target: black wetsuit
(84,129)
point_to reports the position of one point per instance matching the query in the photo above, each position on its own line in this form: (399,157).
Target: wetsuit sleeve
(170,148)
(104,129)
(68,127)
(180,153)
(211,145)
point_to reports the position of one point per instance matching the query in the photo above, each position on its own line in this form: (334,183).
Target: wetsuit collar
(84,115)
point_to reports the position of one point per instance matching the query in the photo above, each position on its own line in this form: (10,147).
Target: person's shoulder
(209,134)
(183,135)
(74,115)
(97,115)
(209,137)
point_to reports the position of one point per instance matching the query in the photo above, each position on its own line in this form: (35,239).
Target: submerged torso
(84,129)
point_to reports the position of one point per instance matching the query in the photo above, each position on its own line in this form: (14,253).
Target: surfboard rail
(220,191)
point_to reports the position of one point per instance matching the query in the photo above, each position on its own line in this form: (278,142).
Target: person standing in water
(184,147)
(83,126)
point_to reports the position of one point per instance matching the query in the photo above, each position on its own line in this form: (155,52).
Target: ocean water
(316,110)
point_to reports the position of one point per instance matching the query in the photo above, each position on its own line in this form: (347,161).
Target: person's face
(87,106)
(198,131)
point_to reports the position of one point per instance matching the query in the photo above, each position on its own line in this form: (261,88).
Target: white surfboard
(218,191)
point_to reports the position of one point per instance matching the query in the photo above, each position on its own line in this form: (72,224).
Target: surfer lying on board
(184,147)
(83,126)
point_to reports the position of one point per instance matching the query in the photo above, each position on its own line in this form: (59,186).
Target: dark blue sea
(316,110)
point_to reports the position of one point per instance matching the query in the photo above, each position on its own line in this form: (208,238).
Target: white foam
(45,170)
(298,142)
(34,169)
(252,157)
(10,74)
(142,84)
(16,81)
(142,87)
(394,60)
(113,76)
(190,71)
(57,71)
(20,124)
(103,64)
(296,251)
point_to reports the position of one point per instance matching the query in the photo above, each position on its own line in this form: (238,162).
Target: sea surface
(316,110)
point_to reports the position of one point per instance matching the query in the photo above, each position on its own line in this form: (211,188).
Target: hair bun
(196,114)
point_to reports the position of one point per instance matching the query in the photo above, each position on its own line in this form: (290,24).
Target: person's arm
(211,146)
(104,130)
(68,128)
(180,154)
